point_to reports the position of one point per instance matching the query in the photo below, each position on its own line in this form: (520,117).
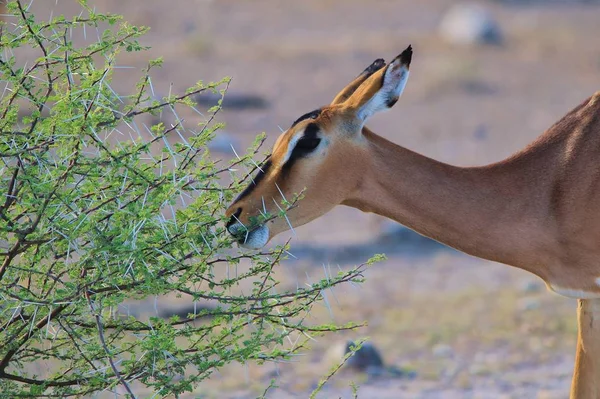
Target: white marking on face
(257,238)
(598,281)
(571,293)
(291,146)
(254,239)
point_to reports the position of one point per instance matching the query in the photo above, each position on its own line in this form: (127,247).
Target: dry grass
(458,339)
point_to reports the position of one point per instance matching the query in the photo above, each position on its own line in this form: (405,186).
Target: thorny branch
(84,223)
(114,368)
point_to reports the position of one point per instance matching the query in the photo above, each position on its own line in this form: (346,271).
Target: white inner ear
(394,82)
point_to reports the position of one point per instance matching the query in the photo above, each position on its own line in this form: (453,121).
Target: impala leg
(586,377)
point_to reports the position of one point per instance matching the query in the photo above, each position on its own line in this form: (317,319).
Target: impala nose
(232,220)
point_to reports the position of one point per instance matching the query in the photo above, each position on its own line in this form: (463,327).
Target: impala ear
(382,89)
(352,86)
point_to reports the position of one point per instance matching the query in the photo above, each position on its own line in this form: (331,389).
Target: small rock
(367,358)
(531,287)
(223,143)
(197,311)
(526,304)
(232,100)
(442,350)
(374,371)
(469,24)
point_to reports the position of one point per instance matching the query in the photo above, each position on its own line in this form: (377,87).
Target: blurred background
(487,78)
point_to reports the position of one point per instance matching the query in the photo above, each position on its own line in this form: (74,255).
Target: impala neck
(486,211)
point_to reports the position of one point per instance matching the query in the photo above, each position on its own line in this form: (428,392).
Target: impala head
(323,154)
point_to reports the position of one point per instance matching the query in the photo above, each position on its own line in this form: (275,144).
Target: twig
(39,325)
(103,342)
(271,385)
(335,369)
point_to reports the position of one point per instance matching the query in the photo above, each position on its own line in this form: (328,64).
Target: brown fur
(351,88)
(538,210)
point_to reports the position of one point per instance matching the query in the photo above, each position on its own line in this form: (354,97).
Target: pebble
(470,24)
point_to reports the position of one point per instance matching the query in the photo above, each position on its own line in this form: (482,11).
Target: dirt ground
(468,328)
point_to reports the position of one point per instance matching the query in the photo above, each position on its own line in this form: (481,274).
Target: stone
(531,286)
(526,304)
(366,359)
(470,24)
(232,101)
(223,143)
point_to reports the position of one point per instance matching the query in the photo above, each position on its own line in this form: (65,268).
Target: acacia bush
(92,216)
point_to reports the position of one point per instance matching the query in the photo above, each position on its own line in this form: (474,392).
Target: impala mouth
(250,239)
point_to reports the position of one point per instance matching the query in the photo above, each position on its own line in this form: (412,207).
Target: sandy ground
(467,327)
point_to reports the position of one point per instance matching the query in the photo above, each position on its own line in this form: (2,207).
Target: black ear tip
(374,67)
(406,56)
(379,62)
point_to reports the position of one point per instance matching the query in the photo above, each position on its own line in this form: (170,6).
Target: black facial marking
(310,131)
(304,145)
(262,171)
(311,115)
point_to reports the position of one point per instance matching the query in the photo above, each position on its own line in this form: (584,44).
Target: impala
(538,210)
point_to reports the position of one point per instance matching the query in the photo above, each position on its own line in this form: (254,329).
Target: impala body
(538,210)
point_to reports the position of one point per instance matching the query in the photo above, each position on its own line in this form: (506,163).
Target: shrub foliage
(93,217)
